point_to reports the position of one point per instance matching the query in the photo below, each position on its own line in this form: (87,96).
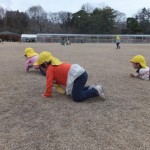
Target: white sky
(129,7)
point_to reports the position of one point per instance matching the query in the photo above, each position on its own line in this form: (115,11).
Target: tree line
(85,21)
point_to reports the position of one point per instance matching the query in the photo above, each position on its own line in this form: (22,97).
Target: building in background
(28,38)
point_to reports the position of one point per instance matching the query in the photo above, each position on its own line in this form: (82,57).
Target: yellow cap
(117,37)
(139,59)
(29,52)
(47,57)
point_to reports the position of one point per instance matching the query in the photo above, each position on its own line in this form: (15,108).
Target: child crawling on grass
(31,57)
(142,70)
(71,76)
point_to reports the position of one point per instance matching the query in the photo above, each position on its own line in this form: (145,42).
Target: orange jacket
(57,74)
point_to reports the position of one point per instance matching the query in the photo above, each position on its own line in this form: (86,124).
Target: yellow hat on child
(117,37)
(29,52)
(47,57)
(139,59)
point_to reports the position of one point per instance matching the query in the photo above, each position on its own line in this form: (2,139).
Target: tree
(2,12)
(81,22)
(103,20)
(120,24)
(65,21)
(15,21)
(38,17)
(61,21)
(133,26)
(54,22)
(143,18)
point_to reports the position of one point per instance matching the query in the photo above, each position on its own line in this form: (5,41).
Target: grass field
(30,122)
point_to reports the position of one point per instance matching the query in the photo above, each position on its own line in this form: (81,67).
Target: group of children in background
(71,78)
(64,42)
(118,40)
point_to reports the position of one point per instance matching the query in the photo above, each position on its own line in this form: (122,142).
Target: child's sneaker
(100,90)
(92,86)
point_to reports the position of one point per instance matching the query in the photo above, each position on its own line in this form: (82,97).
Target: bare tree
(54,18)
(61,20)
(2,12)
(38,16)
(120,21)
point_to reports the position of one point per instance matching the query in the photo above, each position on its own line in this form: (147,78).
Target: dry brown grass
(30,122)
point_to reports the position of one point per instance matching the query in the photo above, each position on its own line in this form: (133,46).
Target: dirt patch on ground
(30,122)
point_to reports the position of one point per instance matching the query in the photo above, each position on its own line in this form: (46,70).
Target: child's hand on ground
(36,67)
(45,96)
(132,75)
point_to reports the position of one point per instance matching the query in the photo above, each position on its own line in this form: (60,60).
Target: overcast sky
(129,7)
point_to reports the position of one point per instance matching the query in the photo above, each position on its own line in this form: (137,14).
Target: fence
(91,38)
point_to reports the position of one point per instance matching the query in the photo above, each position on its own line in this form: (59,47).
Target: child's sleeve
(27,64)
(49,82)
(144,74)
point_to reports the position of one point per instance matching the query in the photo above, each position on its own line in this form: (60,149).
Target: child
(118,41)
(63,41)
(31,58)
(72,76)
(68,42)
(143,71)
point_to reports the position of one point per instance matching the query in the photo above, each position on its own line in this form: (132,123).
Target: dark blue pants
(80,92)
(118,45)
